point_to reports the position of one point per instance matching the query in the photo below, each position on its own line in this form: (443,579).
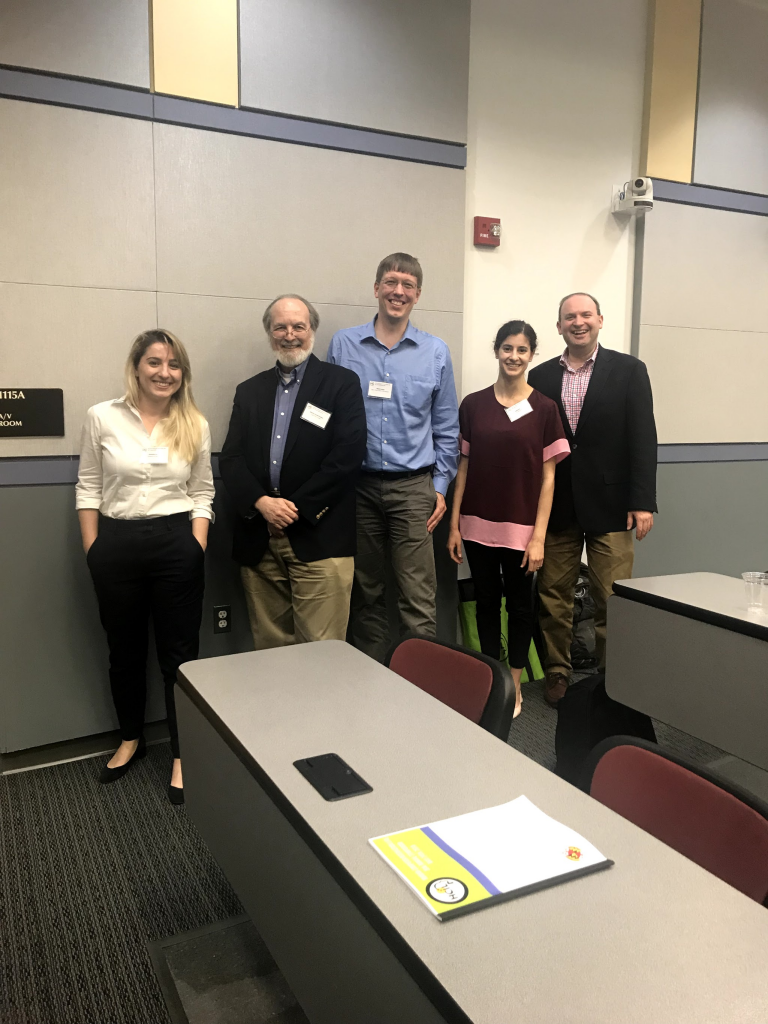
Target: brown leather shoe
(555,686)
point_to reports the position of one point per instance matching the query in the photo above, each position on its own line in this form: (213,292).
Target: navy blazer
(612,468)
(320,465)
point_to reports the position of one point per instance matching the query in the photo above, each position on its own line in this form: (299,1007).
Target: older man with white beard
(295,444)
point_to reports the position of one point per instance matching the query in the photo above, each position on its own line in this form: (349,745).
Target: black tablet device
(332,778)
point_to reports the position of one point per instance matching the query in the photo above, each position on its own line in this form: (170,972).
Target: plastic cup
(756,587)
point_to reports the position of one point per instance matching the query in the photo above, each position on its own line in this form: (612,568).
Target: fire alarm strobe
(487,231)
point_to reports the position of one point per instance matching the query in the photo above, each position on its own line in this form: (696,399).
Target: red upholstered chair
(718,825)
(478,687)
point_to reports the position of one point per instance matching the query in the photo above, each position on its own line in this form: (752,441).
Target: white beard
(292,357)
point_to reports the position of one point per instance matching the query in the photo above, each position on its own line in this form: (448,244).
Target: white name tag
(378,389)
(154,457)
(316,416)
(516,412)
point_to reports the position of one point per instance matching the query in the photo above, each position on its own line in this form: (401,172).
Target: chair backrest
(712,822)
(476,686)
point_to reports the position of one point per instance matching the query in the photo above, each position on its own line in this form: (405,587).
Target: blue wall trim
(708,195)
(747,452)
(63,91)
(62,469)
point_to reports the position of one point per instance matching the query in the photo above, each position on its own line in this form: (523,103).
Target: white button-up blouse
(121,483)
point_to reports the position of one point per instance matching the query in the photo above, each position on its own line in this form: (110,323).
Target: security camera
(633,197)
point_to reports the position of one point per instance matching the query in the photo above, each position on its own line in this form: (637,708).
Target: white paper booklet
(465,863)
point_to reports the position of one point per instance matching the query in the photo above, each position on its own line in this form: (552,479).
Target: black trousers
(142,568)
(485,564)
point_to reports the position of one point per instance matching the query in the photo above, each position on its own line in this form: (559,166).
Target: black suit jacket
(319,465)
(612,468)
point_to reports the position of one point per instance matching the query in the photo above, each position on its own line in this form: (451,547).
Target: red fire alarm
(487,231)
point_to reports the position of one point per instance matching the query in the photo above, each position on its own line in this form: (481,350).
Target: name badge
(154,457)
(378,389)
(316,416)
(516,412)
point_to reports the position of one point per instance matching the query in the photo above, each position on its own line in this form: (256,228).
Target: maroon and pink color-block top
(506,460)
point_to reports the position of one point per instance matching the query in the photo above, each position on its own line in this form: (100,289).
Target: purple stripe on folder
(467,864)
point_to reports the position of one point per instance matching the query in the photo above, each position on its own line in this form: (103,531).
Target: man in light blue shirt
(413,434)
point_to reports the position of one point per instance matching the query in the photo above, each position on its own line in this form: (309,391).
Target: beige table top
(655,938)
(707,596)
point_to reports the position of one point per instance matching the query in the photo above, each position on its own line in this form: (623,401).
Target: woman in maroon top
(511,439)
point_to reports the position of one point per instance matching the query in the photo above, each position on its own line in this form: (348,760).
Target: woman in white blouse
(144,498)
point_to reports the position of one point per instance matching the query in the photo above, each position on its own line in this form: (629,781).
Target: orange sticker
(574,853)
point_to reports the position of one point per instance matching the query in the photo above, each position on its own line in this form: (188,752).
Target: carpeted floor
(90,874)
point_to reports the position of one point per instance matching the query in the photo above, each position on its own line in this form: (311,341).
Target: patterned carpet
(90,874)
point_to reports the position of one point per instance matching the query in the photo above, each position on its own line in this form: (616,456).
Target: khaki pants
(294,602)
(392,530)
(610,557)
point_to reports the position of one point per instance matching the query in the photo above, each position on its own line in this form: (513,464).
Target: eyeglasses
(299,331)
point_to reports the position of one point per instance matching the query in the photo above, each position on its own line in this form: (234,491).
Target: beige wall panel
(393,65)
(227,344)
(705,268)
(76,198)
(194,49)
(732,123)
(708,385)
(102,39)
(71,338)
(671,92)
(250,218)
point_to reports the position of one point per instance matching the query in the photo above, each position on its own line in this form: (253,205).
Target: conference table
(687,650)
(654,938)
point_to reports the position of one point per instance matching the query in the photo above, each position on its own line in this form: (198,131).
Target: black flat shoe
(176,795)
(113,774)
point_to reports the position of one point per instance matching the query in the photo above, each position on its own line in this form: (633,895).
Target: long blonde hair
(182,428)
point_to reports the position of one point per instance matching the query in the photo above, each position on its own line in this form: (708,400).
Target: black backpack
(585,716)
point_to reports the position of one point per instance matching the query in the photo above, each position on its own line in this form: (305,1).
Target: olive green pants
(392,531)
(610,557)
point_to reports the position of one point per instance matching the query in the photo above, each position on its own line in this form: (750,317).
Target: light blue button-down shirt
(419,425)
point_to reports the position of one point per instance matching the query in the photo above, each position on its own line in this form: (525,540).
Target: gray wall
(112,225)
(54,680)
(703,332)
(395,65)
(100,40)
(712,518)
(732,116)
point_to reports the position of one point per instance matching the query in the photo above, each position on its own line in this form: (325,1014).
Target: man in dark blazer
(605,489)
(296,441)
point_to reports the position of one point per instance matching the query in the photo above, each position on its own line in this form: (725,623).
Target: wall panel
(77,198)
(251,218)
(732,122)
(102,40)
(704,268)
(227,344)
(71,338)
(394,65)
(709,386)
(711,519)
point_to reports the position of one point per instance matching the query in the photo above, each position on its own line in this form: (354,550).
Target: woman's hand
(454,545)
(533,556)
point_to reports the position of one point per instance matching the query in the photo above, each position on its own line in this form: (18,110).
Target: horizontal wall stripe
(26,471)
(708,195)
(103,98)
(61,91)
(747,452)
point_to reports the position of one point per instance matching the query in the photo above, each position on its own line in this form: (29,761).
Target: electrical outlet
(222,618)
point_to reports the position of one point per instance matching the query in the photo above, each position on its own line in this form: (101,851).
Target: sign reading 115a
(31,412)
